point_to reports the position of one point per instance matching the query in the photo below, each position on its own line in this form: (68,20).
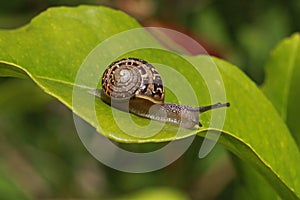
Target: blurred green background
(41,156)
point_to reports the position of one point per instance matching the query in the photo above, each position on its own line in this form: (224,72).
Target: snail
(133,85)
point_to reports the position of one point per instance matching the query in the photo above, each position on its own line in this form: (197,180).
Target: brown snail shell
(133,85)
(132,77)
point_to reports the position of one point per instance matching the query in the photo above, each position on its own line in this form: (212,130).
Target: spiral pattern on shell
(132,77)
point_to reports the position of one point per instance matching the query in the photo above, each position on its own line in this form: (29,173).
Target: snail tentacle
(209,107)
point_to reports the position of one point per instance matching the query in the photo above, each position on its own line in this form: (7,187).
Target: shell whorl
(132,77)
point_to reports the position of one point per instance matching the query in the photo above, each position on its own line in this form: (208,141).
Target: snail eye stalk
(211,107)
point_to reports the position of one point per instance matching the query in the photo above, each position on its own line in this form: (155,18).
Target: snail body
(133,85)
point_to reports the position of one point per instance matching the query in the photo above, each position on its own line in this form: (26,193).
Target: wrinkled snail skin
(176,114)
(135,86)
(170,113)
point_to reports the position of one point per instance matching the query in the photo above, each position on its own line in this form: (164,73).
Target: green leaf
(162,193)
(281,68)
(257,135)
(251,185)
(51,49)
(283,80)
(7,71)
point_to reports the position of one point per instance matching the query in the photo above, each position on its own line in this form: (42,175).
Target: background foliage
(37,145)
